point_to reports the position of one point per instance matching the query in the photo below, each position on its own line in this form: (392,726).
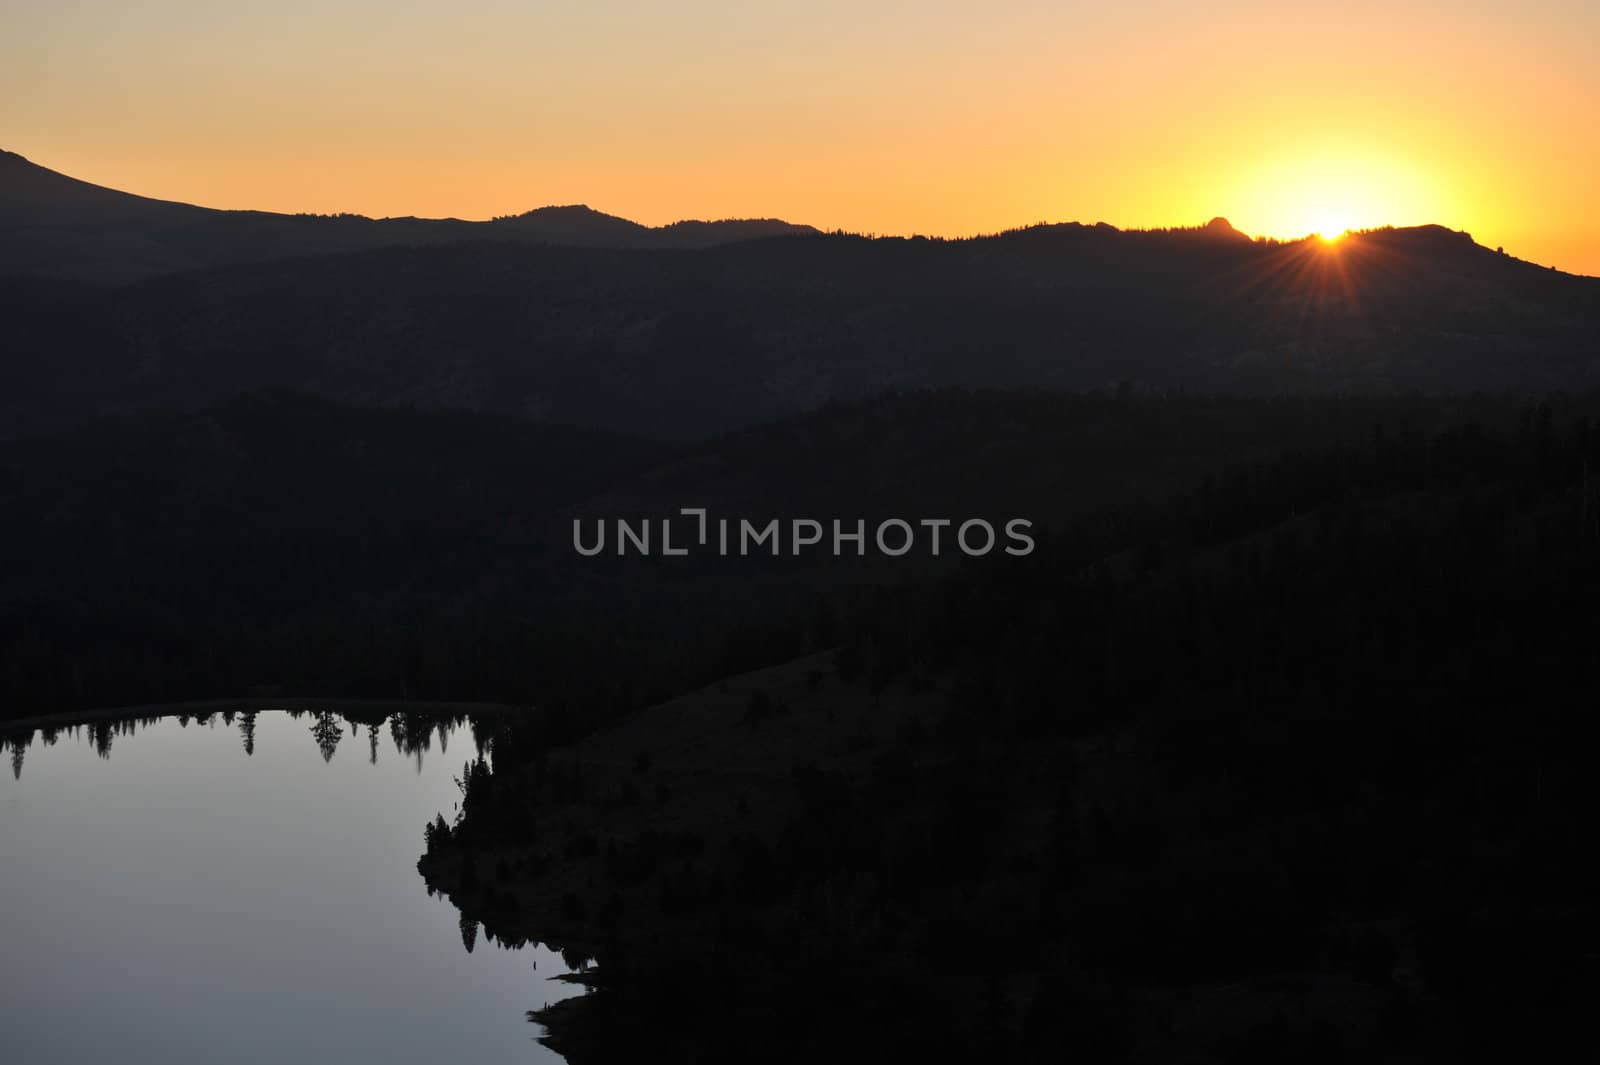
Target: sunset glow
(878,116)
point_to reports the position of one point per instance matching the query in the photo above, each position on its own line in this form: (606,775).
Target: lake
(167,897)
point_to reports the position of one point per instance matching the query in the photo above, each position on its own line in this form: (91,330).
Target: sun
(1329,191)
(1331,227)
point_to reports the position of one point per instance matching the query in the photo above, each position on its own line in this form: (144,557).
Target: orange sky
(875,115)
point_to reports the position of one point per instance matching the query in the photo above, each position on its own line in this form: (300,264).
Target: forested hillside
(684,343)
(1289,768)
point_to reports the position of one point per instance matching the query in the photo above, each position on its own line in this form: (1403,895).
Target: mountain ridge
(57,225)
(61,226)
(675,343)
(571,315)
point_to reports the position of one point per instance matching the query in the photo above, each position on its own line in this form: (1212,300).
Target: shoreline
(246,703)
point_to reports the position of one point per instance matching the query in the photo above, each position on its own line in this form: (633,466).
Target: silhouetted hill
(54,225)
(31,195)
(692,233)
(687,342)
(1223,229)
(582,226)
(577,224)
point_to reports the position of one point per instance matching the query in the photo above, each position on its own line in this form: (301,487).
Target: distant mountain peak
(1221,227)
(1442,234)
(574,211)
(582,224)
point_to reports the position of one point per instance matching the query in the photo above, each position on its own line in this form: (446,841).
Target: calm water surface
(165,897)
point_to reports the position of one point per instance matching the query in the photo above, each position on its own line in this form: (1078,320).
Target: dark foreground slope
(1287,770)
(280,539)
(686,343)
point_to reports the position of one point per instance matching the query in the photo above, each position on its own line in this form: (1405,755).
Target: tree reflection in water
(413,732)
(327,731)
